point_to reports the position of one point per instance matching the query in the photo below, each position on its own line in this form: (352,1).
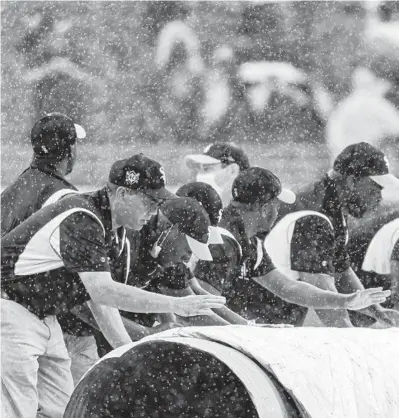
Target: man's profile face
(134,209)
(364,196)
(175,249)
(71,159)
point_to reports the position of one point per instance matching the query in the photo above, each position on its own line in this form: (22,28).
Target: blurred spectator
(364,116)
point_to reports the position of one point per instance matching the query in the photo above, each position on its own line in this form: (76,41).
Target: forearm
(348,281)
(199,320)
(224,313)
(110,324)
(330,317)
(131,299)
(304,294)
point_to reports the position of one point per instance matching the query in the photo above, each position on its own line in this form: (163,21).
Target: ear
(120,193)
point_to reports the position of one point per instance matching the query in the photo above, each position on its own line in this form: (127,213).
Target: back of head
(53,135)
(161,379)
(206,196)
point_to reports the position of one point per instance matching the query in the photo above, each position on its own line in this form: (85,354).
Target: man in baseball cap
(54,135)
(318,249)
(364,160)
(210,200)
(243,271)
(143,174)
(54,140)
(62,257)
(219,165)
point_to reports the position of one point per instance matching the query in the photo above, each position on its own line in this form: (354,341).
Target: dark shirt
(360,239)
(29,193)
(41,258)
(235,263)
(318,245)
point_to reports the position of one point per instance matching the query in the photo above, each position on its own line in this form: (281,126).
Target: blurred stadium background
(168,78)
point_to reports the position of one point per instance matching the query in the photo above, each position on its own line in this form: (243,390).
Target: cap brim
(287,196)
(215,237)
(200,159)
(80,132)
(387,181)
(161,194)
(199,249)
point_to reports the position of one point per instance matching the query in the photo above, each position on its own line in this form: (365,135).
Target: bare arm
(200,320)
(330,317)
(110,324)
(305,294)
(103,290)
(224,312)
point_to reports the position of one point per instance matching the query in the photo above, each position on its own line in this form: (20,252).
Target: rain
(200,209)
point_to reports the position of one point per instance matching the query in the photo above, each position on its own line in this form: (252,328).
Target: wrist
(345,300)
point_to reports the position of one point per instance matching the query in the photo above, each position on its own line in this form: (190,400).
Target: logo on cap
(132,177)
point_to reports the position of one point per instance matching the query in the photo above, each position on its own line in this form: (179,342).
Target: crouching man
(58,259)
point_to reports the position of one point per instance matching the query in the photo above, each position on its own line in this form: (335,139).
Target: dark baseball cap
(143,174)
(365,160)
(210,200)
(54,134)
(258,185)
(191,220)
(220,152)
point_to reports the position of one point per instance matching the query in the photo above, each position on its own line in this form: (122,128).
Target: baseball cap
(191,220)
(258,185)
(143,174)
(220,152)
(55,133)
(364,160)
(210,200)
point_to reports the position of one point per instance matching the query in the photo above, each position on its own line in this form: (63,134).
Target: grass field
(295,164)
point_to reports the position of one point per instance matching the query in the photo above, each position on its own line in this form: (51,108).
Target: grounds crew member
(158,253)
(57,259)
(243,271)
(373,249)
(54,142)
(315,246)
(218,165)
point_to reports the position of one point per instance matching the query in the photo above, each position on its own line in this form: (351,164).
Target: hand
(365,298)
(197,305)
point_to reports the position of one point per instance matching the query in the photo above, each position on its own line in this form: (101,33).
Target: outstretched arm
(223,312)
(305,294)
(201,320)
(103,290)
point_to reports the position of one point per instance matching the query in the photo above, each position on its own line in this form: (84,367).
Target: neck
(114,219)
(249,220)
(60,167)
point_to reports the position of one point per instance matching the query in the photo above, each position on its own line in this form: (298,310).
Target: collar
(49,170)
(101,201)
(331,205)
